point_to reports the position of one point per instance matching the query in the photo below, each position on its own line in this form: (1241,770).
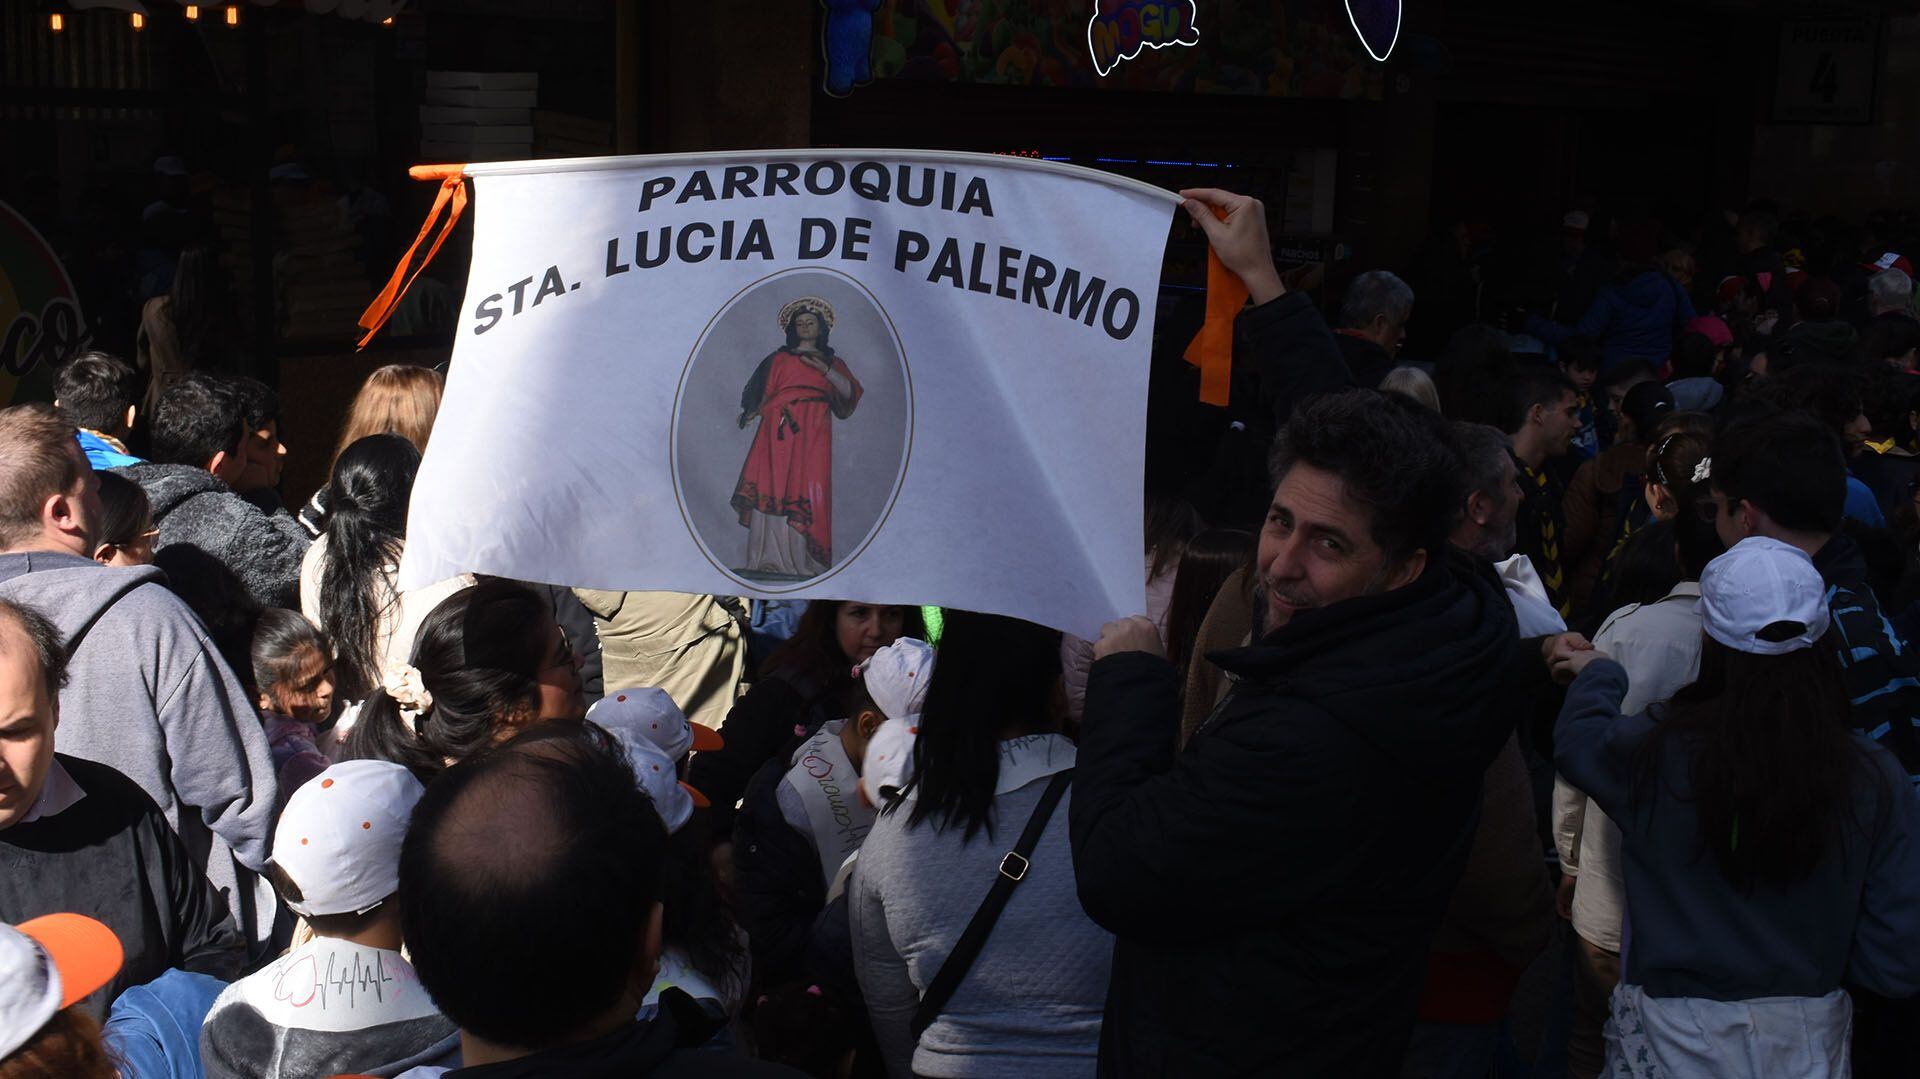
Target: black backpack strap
(1013,870)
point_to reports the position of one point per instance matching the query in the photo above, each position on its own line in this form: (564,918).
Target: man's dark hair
(197,417)
(540,855)
(1789,465)
(1830,393)
(259,404)
(1394,456)
(1579,354)
(1537,384)
(1693,356)
(94,390)
(47,641)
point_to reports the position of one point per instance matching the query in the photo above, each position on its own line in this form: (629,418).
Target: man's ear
(133,412)
(1410,570)
(1536,415)
(1479,508)
(224,462)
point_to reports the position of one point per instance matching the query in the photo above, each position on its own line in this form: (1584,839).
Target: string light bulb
(138,21)
(56,22)
(193,12)
(233,14)
(388,21)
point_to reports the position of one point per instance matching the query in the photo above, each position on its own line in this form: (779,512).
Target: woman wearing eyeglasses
(488,662)
(126,523)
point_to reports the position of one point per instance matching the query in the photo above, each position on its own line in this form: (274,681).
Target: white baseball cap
(1763,597)
(49,963)
(896,677)
(339,838)
(651,714)
(1576,220)
(889,760)
(660,781)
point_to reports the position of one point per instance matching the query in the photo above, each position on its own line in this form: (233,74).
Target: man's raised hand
(1239,238)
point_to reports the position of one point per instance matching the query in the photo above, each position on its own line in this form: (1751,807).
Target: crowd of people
(1584,648)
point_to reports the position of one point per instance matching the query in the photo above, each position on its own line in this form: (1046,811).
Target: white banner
(891,376)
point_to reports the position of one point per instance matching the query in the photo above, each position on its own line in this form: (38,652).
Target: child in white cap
(806,814)
(345,1001)
(47,966)
(1749,811)
(896,679)
(703,953)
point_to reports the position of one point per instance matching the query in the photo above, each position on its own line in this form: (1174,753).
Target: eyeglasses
(563,657)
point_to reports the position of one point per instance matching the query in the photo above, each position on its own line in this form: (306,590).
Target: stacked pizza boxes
(478,116)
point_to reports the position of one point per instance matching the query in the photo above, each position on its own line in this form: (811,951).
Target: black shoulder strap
(1013,870)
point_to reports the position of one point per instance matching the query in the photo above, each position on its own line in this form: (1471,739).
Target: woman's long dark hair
(366,526)
(1211,557)
(1170,523)
(992,674)
(1773,764)
(201,307)
(125,511)
(479,653)
(811,660)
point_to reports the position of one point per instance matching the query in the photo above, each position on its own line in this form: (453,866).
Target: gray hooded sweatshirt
(149,697)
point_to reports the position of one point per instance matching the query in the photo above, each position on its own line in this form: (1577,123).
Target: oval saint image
(791,429)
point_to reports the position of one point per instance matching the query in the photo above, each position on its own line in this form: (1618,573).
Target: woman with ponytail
(986,766)
(347,585)
(488,662)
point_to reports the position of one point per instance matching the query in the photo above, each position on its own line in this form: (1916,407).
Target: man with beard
(1276,885)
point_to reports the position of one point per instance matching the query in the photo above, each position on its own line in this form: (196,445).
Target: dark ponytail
(479,654)
(366,526)
(992,675)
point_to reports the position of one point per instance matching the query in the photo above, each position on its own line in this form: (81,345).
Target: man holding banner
(1276,885)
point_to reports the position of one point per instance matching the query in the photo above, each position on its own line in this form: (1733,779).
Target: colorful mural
(1278,48)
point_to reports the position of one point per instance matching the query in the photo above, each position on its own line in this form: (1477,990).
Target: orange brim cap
(706,738)
(699,800)
(84,951)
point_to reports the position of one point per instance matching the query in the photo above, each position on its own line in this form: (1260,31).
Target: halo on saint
(820,308)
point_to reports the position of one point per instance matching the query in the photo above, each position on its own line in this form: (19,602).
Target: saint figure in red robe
(785,494)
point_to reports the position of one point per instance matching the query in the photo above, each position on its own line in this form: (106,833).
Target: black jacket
(776,886)
(1295,354)
(112,856)
(1275,886)
(1366,361)
(666,1047)
(774,715)
(221,534)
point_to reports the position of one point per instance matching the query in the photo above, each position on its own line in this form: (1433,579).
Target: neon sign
(1119,29)
(1377,23)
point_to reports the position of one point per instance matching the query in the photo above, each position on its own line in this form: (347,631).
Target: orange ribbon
(1212,348)
(453,199)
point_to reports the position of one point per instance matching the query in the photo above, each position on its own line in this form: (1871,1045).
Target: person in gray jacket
(201,448)
(989,746)
(150,696)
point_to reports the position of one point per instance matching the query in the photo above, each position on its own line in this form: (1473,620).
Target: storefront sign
(1119,29)
(1827,69)
(40,323)
(893,376)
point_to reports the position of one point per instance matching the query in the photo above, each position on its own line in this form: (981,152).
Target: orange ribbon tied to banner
(1212,348)
(452,199)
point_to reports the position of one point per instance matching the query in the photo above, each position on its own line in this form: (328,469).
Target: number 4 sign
(1828,70)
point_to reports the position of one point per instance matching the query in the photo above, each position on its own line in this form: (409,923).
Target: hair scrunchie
(409,690)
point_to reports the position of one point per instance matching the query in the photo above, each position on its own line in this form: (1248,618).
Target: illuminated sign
(40,321)
(1377,22)
(1119,29)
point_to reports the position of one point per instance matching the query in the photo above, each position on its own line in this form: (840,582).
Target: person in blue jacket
(1639,315)
(1770,851)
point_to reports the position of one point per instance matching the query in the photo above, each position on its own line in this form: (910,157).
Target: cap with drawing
(1763,597)
(49,963)
(339,838)
(1893,260)
(896,677)
(651,714)
(1575,221)
(660,781)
